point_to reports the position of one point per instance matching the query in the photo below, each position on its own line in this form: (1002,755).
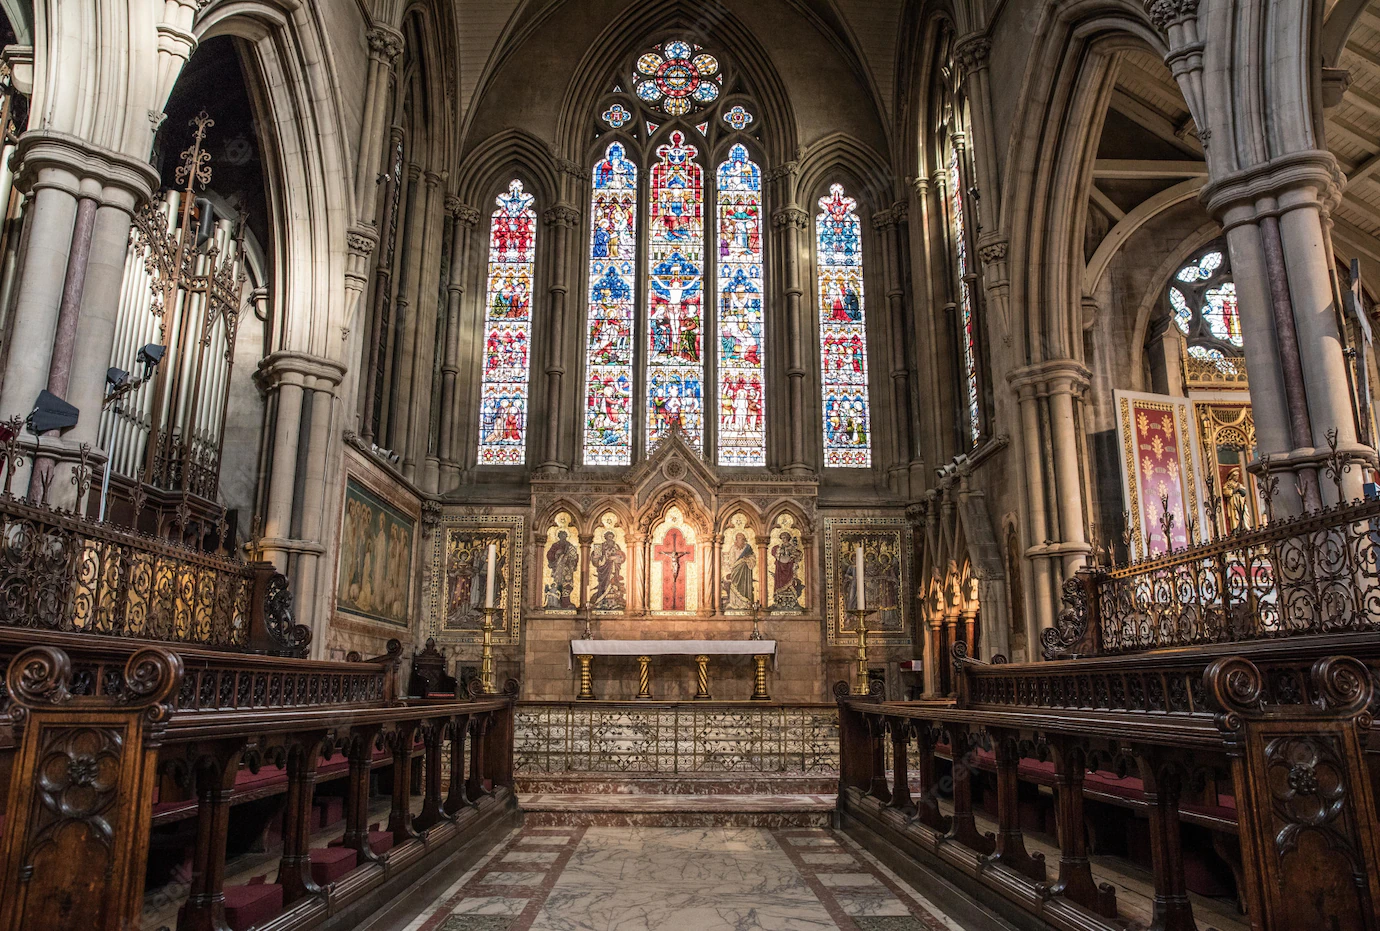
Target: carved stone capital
(1166,13)
(361,241)
(900,211)
(431,512)
(993,252)
(883,220)
(385,44)
(461,211)
(564,215)
(784,170)
(972,53)
(790,216)
(567,167)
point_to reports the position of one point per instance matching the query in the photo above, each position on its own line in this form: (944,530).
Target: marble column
(385,286)
(790,223)
(420,342)
(561,220)
(888,225)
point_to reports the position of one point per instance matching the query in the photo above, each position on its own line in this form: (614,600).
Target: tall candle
(858,575)
(491,576)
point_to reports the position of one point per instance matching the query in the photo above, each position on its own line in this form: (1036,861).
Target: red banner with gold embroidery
(1162,502)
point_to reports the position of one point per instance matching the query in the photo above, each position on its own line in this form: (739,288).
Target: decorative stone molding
(1047,377)
(884,220)
(972,53)
(790,216)
(286,365)
(124,182)
(569,167)
(565,215)
(1299,179)
(1166,13)
(431,512)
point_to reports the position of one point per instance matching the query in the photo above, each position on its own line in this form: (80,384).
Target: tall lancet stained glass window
(609,339)
(675,294)
(965,297)
(507,329)
(843,332)
(742,431)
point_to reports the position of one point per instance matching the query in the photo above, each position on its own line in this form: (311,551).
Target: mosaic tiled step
(603,810)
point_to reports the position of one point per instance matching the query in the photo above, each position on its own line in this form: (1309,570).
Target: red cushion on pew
(330,808)
(254,904)
(330,863)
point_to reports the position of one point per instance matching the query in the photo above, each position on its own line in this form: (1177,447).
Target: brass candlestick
(756,619)
(860,620)
(586,679)
(486,664)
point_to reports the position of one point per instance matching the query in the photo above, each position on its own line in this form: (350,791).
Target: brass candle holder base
(759,678)
(861,686)
(486,662)
(586,680)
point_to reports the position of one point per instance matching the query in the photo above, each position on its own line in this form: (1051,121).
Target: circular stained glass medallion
(677,77)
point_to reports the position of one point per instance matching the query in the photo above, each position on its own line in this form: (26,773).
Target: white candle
(858,575)
(491,577)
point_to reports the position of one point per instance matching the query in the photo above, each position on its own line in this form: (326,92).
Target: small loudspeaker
(52,413)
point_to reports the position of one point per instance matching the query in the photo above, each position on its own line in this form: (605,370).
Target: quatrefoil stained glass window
(677,77)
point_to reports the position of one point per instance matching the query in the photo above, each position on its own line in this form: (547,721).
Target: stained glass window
(742,432)
(1202,298)
(843,332)
(609,341)
(677,77)
(675,294)
(965,298)
(507,329)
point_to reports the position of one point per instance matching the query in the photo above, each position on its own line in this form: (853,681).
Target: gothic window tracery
(507,329)
(696,141)
(1202,300)
(843,332)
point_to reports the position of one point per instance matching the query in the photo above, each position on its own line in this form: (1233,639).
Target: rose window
(677,77)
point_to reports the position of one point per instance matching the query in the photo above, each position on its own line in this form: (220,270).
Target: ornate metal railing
(61,572)
(1314,574)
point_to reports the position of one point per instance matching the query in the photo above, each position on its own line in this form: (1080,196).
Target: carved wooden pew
(1296,771)
(206,721)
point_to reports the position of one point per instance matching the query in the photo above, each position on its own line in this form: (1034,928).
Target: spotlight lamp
(150,356)
(51,413)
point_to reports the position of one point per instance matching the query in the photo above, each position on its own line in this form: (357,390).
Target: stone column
(463,217)
(1036,548)
(376,338)
(77,229)
(1067,381)
(637,578)
(888,224)
(385,44)
(790,223)
(561,219)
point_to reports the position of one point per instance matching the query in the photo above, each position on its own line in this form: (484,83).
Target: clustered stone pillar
(295,522)
(890,224)
(562,220)
(76,235)
(1050,396)
(1273,193)
(790,223)
(463,218)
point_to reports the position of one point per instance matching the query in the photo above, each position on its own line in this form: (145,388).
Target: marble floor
(679,879)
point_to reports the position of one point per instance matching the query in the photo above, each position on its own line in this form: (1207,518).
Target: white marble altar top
(672,647)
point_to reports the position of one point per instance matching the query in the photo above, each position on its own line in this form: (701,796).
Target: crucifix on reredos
(676,565)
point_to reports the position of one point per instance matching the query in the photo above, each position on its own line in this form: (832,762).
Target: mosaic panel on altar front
(676,739)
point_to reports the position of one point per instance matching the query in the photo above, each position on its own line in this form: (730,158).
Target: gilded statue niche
(560,581)
(676,565)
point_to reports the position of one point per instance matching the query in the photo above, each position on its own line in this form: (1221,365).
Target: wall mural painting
(785,567)
(375,575)
(675,567)
(608,559)
(460,575)
(738,567)
(886,574)
(560,580)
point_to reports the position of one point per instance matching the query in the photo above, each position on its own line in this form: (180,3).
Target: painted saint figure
(607,558)
(562,559)
(740,575)
(787,587)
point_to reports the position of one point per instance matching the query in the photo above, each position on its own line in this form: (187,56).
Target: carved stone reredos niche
(673,485)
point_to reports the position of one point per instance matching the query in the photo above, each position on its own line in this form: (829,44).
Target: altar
(761,651)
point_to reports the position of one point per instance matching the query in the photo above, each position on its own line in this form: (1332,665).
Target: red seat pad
(330,863)
(251,905)
(331,809)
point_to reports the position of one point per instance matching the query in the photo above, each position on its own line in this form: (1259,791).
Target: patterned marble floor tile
(477,923)
(531,856)
(881,902)
(489,905)
(889,923)
(847,880)
(813,841)
(827,859)
(505,878)
(548,839)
